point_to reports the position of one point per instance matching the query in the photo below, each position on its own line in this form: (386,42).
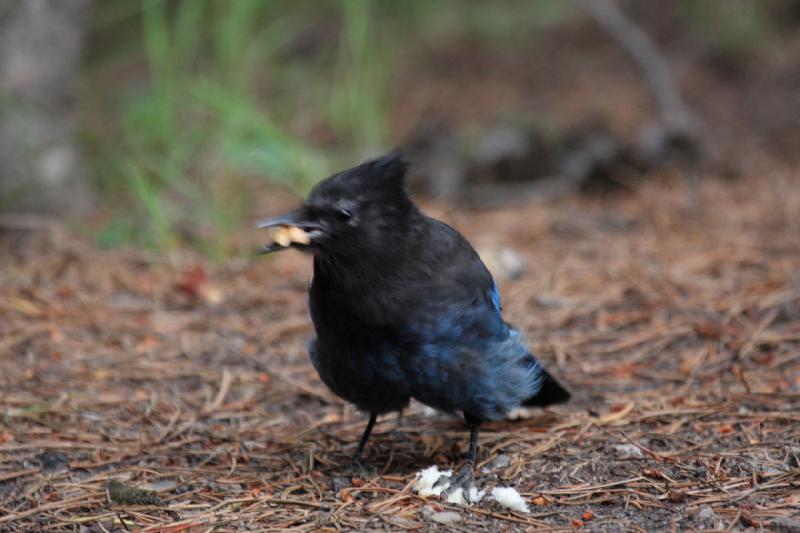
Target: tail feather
(551,393)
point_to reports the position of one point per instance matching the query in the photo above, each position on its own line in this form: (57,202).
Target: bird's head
(357,211)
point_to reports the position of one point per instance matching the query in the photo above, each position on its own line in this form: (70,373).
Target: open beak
(294,228)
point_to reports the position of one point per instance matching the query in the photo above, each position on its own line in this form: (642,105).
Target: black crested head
(360,212)
(380,180)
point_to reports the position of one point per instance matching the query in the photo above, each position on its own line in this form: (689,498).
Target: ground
(672,312)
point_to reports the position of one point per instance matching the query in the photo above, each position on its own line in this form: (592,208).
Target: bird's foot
(358,469)
(355,470)
(464,480)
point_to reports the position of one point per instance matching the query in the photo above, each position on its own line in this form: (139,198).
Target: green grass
(192,104)
(221,95)
(196,130)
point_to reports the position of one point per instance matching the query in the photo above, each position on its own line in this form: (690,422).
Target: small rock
(785,524)
(706,513)
(52,462)
(446,517)
(162,485)
(499,462)
(628,450)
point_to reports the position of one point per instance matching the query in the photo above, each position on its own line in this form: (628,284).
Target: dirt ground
(673,314)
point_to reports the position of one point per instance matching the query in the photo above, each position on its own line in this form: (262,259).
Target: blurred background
(174,123)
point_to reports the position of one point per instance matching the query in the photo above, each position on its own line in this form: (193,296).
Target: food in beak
(287,235)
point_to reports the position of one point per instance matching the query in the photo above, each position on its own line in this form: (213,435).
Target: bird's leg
(465,477)
(355,463)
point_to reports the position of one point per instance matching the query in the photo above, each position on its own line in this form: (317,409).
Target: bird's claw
(464,479)
(358,469)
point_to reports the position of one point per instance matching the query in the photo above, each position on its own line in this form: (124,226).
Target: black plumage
(404,308)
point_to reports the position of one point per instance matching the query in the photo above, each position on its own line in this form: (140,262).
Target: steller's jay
(404,308)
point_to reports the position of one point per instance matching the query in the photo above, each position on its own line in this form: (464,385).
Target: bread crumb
(509,497)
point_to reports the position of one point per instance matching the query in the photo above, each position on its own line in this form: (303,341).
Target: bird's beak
(294,228)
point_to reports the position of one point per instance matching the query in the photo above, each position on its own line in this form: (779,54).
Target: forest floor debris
(673,317)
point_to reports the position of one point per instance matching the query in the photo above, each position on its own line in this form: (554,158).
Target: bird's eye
(343,215)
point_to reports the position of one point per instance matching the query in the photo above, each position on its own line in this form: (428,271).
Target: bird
(403,307)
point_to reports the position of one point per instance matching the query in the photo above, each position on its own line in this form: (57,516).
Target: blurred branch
(654,66)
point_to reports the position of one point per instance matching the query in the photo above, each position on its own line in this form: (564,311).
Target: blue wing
(494,296)
(467,358)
